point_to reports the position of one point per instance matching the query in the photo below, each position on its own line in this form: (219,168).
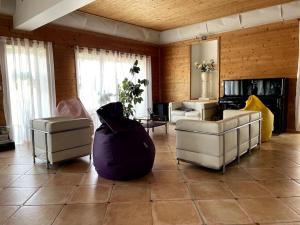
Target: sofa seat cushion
(57,124)
(178,113)
(192,114)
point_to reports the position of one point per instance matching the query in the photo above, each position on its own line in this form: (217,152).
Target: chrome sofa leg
(250,137)
(33,146)
(224,156)
(47,156)
(238,146)
(259,134)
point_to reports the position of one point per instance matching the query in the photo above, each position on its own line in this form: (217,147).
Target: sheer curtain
(28,84)
(99,74)
(297,103)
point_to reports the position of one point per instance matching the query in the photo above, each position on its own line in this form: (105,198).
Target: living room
(190,144)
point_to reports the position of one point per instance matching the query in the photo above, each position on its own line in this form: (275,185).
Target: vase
(205,85)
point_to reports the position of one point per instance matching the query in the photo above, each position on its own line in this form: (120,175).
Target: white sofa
(192,110)
(60,138)
(214,144)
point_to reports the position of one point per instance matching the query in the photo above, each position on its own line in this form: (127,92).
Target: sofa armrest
(175,105)
(58,124)
(229,113)
(203,126)
(204,105)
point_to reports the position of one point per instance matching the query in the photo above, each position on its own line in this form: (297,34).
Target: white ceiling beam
(7,7)
(261,16)
(291,10)
(84,21)
(239,21)
(32,14)
(224,24)
(183,33)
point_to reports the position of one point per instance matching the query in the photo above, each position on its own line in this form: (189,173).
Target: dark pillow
(188,110)
(185,109)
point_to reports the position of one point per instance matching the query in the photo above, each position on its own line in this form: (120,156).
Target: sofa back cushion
(189,105)
(214,127)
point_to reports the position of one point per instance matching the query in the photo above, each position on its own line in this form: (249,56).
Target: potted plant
(130,92)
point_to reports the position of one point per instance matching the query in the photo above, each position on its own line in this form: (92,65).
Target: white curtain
(99,74)
(28,84)
(297,103)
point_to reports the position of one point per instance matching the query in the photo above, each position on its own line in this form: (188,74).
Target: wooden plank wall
(175,72)
(264,51)
(64,39)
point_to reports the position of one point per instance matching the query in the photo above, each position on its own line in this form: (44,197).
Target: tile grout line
(58,214)
(20,206)
(200,213)
(290,207)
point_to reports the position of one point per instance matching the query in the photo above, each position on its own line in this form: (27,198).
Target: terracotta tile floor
(263,189)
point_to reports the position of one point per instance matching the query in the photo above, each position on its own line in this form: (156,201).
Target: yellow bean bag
(253,103)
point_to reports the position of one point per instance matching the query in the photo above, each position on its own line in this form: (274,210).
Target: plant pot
(205,84)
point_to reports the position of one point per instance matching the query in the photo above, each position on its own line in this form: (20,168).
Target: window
(30,84)
(99,74)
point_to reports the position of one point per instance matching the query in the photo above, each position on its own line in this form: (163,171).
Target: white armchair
(192,110)
(214,144)
(60,138)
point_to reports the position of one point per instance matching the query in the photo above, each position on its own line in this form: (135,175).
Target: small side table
(148,123)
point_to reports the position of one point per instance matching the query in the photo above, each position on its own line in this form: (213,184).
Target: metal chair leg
(250,137)
(238,146)
(47,157)
(224,156)
(259,134)
(33,146)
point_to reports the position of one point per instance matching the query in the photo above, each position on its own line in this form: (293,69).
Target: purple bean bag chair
(122,149)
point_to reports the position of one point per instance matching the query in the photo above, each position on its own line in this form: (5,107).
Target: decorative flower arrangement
(206,67)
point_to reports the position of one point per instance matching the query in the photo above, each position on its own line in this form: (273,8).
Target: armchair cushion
(175,105)
(195,110)
(178,113)
(193,114)
(56,124)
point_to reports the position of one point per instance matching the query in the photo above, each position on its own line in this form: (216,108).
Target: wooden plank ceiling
(168,14)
